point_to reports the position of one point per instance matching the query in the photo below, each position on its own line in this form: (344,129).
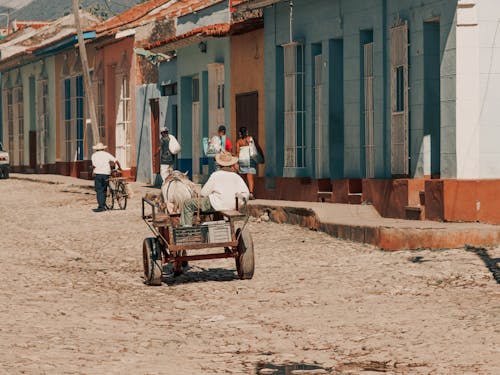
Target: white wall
(488,17)
(467,91)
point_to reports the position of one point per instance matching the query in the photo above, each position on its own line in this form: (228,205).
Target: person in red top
(225,141)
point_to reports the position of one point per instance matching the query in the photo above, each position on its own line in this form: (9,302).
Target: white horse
(176,189)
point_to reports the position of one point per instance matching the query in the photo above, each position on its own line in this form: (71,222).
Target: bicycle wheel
(110,201)
(121,195)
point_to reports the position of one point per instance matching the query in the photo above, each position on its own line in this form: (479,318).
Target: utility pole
(86,74)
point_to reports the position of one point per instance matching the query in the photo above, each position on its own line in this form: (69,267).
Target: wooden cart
(178,245)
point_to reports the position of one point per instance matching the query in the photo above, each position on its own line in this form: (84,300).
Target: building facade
(381,101)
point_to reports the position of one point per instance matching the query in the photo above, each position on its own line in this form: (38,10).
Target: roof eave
(62,44)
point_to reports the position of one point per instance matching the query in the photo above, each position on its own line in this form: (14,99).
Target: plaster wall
(488,129)
(247,75)
(215,14)
(144,94)
(192,62)
(319,23)
(112,61)
(34,70)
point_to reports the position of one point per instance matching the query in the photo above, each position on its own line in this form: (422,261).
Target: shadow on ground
(197,274)
(489,262)
(291,368)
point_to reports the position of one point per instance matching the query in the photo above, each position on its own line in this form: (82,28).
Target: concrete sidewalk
(358,223)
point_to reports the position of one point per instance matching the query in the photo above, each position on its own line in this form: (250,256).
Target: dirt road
(72,301)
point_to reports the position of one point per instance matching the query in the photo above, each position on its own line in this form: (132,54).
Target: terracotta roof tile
(216,30)
(150,11)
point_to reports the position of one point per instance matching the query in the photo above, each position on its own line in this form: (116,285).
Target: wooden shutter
(318,128)
(215,109)
(399,100)
(369,111)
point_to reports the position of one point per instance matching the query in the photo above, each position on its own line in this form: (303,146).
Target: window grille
(169,89)
(43,121)
(399,99)
(10,123)
(18,95)
(68,133)
(80,118)
(368,110)
(101,113)
(294,105)
(318,102)
(195,90)
(215,97)
(123,142)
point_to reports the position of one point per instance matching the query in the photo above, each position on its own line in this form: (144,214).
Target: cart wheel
(121,195)
(110,202)
(151,256)
(245,263)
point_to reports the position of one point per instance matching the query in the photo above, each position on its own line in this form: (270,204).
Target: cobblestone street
(73,301)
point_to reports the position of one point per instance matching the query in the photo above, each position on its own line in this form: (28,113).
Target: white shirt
(222,187)
(100,161)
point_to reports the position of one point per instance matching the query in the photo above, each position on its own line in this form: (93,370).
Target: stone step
(413,212)
(355,198)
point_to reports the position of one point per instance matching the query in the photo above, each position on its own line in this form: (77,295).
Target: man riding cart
(218,224)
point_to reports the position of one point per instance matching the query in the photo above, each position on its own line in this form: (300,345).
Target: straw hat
(99,147)
(225,159)
(164,130)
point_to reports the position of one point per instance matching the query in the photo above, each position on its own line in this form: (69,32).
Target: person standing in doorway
(167,159)
(247,166)
(103,162)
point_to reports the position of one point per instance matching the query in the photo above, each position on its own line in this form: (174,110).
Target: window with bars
(399,100)
(80,116)
(43,121)
(100,110)
(295,145)
(368,110)
(10,122)
(318,118)
(220,96)
(68,114)
(18,95)
(216,80)
(123,142)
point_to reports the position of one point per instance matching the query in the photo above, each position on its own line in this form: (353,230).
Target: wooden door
(247,113)
(155,131)
(33,148)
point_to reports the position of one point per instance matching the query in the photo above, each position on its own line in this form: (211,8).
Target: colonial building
(387,102)
(31,96)
(212,48)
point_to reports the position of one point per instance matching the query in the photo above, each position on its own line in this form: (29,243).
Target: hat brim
(97,148)
(227,163)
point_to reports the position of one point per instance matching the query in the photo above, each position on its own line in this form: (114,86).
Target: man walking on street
(102,162)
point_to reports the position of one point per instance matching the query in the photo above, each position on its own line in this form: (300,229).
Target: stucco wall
(489,83)
(30,113)
(217,13)
(143,95)
(247,75)
(320,23)
(190,62)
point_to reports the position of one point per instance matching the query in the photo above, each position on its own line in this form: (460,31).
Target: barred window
(295,145)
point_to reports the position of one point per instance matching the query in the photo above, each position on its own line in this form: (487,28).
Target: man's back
(222,187)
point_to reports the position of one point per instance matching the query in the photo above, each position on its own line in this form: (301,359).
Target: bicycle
(117,191)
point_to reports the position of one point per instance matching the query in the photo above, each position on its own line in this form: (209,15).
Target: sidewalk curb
(408,236)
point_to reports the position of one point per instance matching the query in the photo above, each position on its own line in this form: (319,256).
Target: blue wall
(336,28)
(191,62)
